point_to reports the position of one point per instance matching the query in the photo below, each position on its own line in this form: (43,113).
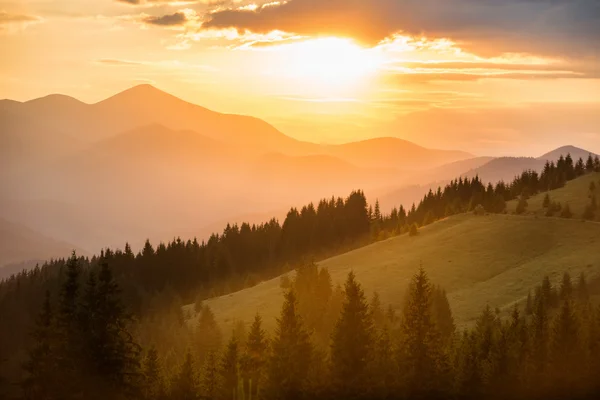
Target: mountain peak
(575,152)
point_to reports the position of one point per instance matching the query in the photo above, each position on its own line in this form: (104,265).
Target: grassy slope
(493,259)
(575,193)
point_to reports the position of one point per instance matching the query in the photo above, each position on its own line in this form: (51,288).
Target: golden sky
(491,77)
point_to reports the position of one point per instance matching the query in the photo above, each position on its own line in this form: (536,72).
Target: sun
(326,64)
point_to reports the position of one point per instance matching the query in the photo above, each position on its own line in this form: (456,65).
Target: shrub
(414,230)
(479,210)
(566,211)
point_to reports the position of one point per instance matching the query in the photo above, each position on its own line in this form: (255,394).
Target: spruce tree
(153,387)
(229,371)
(546,203)
(291,353)
(582,292)
(376,310)
(383,367)
(210,379)
(253,361)
(442,314)
(566,353)
(185,384)
(566,287)
(41,366)
(116,355)
(422,357)
(352,342)
(208,334)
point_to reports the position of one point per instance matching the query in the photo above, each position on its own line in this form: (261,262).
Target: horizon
(461,79)
(525,154)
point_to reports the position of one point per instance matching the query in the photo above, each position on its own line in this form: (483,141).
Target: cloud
(12,23)
(115,62)
(557,27)
(177,19)
(6,18)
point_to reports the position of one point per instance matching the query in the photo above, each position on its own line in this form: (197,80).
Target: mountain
(143,105)
(144,163)
(19,243)
(389,152)
(506,168)
(575,152)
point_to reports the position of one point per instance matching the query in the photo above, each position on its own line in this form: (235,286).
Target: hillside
(576,193)
(19,243)
(393,152)
(493,259)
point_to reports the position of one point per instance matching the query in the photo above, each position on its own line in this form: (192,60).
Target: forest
(112,326)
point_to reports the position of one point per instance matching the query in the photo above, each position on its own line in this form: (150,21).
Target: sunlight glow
(328,62)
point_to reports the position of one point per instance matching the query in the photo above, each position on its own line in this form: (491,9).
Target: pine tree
(352,342)
(442,314)
(376,310)
(253,361)
(383,368)
(291,354)
(116,355)
(229,371)
(414,230)
(582,292)
(153,387)
(529,304)
(566,287)
(589,165)
(469,378)
(565,348)
(540,335)
(566,211)
(208,334)
(423,361)
(69,341)
(41,366)
(547,201)
(185,384)
(521,205)
(210,380)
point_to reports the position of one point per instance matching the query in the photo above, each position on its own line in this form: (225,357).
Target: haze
(490,78)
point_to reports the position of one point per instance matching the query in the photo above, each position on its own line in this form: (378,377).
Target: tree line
(85,347)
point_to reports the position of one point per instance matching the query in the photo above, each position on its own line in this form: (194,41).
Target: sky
(515,77)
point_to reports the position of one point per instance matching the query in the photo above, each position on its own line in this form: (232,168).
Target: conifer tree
(422,358)
(383,368)
(210,379)
(442,314)
(185,384)
(582,292)
(469,378)
(69,341)
(540,335)
(546,202)
(229,371)
(291,353)
(208,336)
(566,211)
(153,387)
(566,287)
(352,342)
(565,353)
(116,355)
(528,304)
(253,361)
(376,310)
(41,366)
(414,230)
